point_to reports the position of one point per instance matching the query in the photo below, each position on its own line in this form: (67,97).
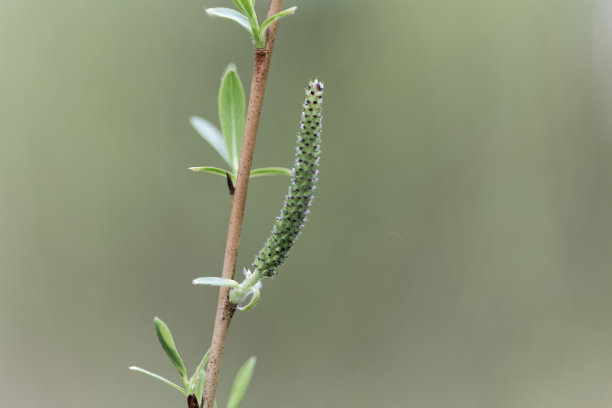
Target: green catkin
(297,201)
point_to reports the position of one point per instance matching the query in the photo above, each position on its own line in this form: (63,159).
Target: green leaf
(232,113)
(215,281)
(199,385)
(213,170)
(240,6)
(252,297)
(160,378)
(200,367)
(167,342)
(264,26)
(245,6)
(263,171)
(230,14)
(271,171)
(241,383)
(212,135)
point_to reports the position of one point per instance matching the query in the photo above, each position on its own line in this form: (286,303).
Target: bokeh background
(459,252)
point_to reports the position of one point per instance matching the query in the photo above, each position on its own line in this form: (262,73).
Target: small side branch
(226,309)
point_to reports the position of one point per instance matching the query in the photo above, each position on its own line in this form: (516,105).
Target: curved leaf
(245,6)
(213,170)
(167,342)
(240,6)
(200,367)
(271,171)
(230,14)
(275,17)
(199,386)
(216,281)
(159,377)
(252,297)
(212,135)
(232,113)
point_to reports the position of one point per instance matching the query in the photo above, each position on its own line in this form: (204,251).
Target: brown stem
(226,309)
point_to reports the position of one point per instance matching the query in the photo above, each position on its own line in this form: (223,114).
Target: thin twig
(226,309)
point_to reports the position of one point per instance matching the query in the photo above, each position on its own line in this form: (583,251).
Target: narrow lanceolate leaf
(241,383)
(199,387)
(230,14)
(212,135)
(167,343)
(263,171)
(246,6)
(297,202)
(240,5)
(232,114)
(264,26)
(196,382)
(216,281)
(200,366)
(159,377)
(271,171)
(213,170)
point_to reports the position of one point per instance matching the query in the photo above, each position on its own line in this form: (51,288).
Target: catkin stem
(226,309)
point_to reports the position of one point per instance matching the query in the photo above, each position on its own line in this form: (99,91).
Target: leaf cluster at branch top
(227,142)
(246,17)
(193,387)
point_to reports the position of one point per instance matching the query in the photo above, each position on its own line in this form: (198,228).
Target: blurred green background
(459,252)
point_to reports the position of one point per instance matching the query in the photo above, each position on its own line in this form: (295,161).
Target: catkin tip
(315,83)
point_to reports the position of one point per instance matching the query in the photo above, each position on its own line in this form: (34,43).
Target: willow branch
(226,309)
